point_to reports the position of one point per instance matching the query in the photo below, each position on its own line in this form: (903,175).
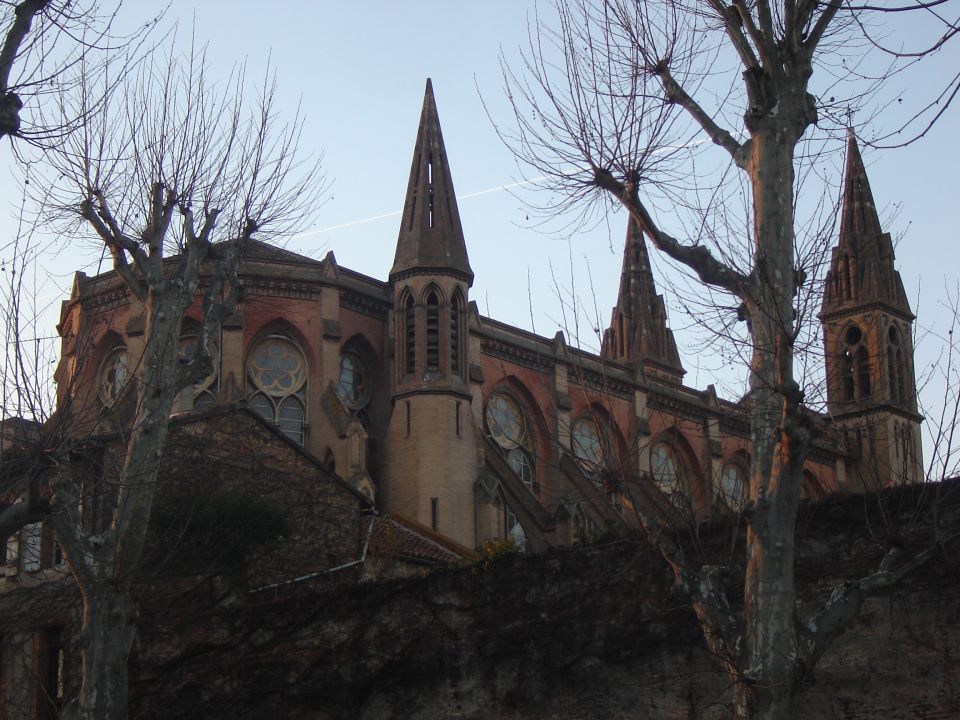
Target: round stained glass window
(504,422)
(114,375)
(733,486)
(277,367)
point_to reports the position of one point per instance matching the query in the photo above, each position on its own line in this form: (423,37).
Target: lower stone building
(241,511)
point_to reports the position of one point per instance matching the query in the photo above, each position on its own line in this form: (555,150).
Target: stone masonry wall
(574,634)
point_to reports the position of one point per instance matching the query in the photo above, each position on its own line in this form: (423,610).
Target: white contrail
(468,196)
(374,218)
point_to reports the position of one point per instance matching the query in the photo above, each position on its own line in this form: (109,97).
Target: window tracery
(115,375)
(277,370)
(201,394)
(353,386)
(508,427)
(667,471)
(733,486)
(589,444)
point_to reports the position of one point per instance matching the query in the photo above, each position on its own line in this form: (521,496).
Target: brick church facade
(476,430)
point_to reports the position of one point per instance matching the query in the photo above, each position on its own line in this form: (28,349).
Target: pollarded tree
(172,175)
(609,106)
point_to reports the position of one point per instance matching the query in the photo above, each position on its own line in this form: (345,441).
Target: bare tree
(48,47)
(610,107)
(173,174)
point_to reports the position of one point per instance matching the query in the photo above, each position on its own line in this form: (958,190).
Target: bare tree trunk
(106,637)
(778,445)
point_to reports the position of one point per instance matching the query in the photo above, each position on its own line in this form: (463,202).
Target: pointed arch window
(895,367)
(509,428)
(409,337)
(115,375)
(515,531)
(665,468)
(590,441)
(277,372)
(353,386)
(855,365)
(433,331)
(733,486)
(456,325)
(202,394)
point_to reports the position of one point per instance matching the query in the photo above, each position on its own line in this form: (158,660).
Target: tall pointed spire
(860,216)
(431,237)
(638,325)
(862,266)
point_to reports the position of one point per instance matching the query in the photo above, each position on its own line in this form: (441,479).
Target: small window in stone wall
(277,372)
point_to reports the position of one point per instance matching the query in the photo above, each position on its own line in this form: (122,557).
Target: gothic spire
(638,325)
(862,266)
(431,237)
(860,218)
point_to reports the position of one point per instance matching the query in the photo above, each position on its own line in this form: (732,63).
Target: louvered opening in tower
(433,332)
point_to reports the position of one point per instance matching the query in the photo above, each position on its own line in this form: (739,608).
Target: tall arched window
(433,331)
(456,351)
(277,372)
(202,394)
(733,486)
(115,375)
(353,386)
(590,445)
(895,367)
(855,365)
(508,427)
(666,469)
(409,337)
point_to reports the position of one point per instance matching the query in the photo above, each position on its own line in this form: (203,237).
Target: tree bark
(777,452)
(106,637)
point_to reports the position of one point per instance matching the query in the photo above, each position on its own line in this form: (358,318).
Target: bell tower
(430,458)
(868,339)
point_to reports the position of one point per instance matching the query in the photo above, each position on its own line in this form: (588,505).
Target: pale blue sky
(359,70)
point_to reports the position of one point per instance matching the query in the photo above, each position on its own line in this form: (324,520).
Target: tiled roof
(399,538)
(258,250)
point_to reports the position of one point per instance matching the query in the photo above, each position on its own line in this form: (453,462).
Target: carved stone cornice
(275,287)
(364,304)
(517,355)
(599,382)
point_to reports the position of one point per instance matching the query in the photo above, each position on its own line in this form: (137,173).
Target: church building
(476,430)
